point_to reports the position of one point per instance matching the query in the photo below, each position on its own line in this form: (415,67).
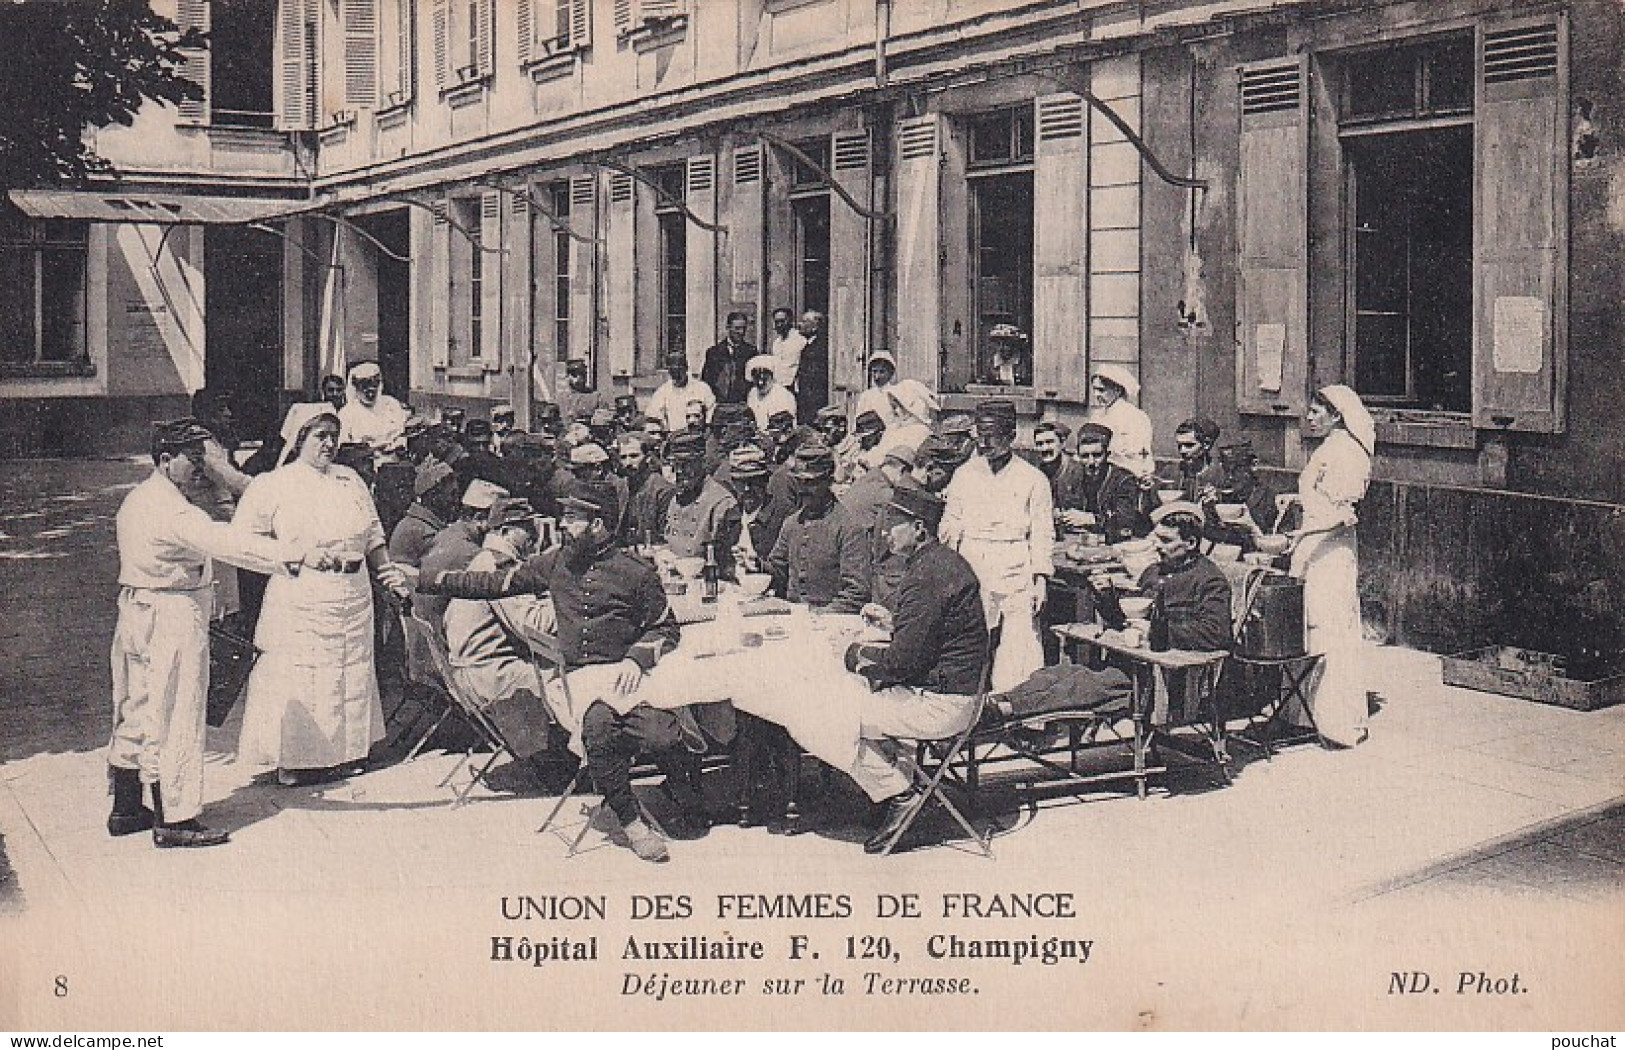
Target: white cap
(480,494)
(1122,377)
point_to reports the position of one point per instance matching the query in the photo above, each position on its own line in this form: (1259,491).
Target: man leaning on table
(1195,597)
(925,681)
(614,624)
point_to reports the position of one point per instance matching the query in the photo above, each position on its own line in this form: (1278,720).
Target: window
(1410,222)
(396,52)
(632,16)
(462,42)
(1001,138)
(1411,272)
(1002,258)
(548,28)
(42,293)
(559,198)
(804,175)
(1428,79)
(811,215)
(673,232)
(240,45)
(999,186)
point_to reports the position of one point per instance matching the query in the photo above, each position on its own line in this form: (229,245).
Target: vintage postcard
(812,515)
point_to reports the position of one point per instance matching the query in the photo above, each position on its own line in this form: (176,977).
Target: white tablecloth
(800,681)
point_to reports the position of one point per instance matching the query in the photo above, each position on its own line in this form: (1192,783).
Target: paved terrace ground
(1473,833)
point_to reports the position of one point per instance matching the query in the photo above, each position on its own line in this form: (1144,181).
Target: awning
(165,208)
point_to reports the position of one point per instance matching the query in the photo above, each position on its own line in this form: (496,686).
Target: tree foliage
(77,64)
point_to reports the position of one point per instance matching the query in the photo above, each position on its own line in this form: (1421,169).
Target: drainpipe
(882,32)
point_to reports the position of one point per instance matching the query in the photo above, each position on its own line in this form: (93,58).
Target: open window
(671,229)
(999,174)
(463,43)
(42,296)
(549,28)
(1406,129)
(1451,150)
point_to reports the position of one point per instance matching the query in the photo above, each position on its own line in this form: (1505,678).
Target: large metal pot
(1273,626)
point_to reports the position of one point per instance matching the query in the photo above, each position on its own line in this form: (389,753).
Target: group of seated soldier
(519,535)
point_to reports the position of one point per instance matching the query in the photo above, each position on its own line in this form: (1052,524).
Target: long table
(792,672)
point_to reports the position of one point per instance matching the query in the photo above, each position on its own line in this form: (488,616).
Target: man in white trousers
(161,643)
(1000,516)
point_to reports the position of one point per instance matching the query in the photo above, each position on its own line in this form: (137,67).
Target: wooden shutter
(491,276)
(1272,239)
(440,300)
(584,270)
(518,300)
(296,27)
(747,201)
(1060,248)
(580,22)
(620,280)
(484,38)
(440,27)
(194,14)
(919,270)
(360,23)
(847,328)
(623,16)
(1521,217)
(525,26)
(701,255)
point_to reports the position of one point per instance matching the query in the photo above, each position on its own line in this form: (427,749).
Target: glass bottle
(1157,634)
(708,576)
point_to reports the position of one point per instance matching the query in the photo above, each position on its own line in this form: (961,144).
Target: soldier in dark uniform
(822,556)
(437,490)
(1102,496)
(614,624)
(925,681)
(532,463)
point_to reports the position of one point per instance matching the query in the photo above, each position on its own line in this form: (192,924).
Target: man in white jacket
(1000,516)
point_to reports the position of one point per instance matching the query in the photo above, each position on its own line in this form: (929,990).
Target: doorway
(393,230)
(243,324)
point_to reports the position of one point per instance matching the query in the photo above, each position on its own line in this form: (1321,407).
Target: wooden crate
(1530,675)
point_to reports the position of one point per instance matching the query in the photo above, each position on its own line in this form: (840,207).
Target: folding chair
(551,661)
(469,707)
(928,778)
(423,677)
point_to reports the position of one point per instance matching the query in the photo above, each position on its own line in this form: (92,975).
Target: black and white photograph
(812,515)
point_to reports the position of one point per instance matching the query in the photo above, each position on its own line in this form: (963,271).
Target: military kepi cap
(918,503)
(173,434)
(685,446)
(813,460)
(597,498)
(997,410)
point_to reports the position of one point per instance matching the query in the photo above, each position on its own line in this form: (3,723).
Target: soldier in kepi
(161,643)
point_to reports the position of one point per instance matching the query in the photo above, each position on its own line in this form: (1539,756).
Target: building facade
(1239,200)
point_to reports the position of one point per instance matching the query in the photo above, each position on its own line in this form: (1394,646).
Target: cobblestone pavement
(1472,831)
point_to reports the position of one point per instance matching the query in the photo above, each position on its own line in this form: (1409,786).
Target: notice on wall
(142,334)
(1520,333)
(1269,343)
